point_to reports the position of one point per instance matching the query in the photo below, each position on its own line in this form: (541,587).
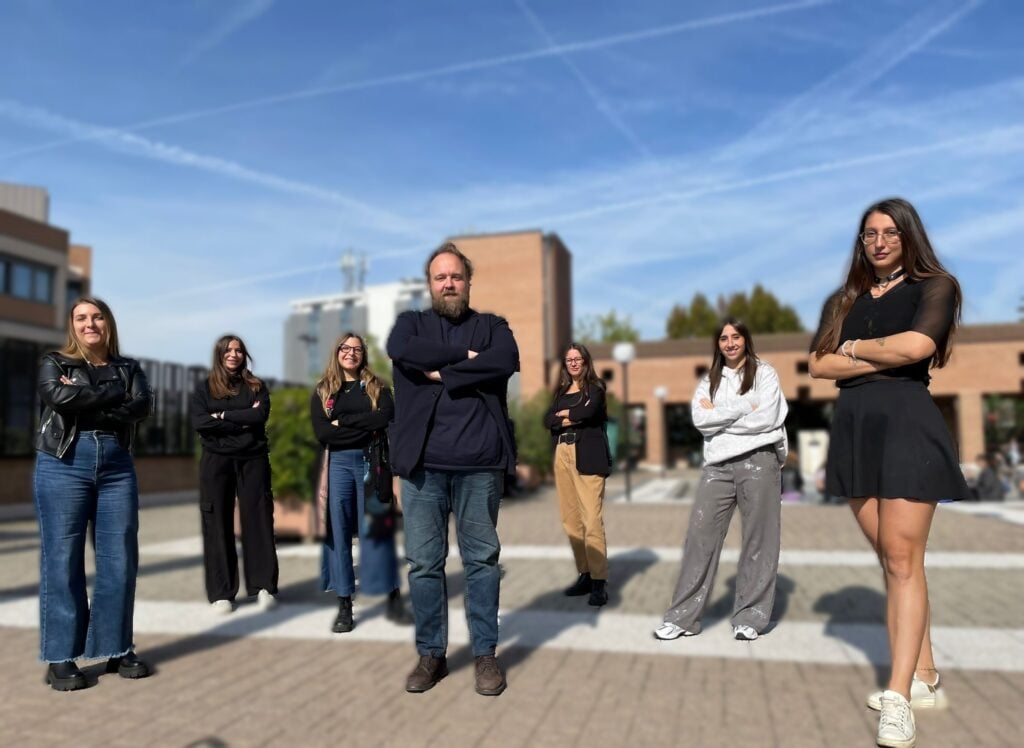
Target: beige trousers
(581,502)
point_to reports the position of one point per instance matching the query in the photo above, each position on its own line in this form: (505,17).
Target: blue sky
(219,156)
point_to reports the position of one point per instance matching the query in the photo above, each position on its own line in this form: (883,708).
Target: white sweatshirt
(734,427)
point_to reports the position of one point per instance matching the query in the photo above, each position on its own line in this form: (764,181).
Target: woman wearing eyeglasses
(739,408)
(890,452)
(576,420)
(349,407)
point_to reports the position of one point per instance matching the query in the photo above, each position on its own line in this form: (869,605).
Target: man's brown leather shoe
(428,671)
(490,678)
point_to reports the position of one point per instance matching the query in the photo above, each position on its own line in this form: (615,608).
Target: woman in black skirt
(890,452)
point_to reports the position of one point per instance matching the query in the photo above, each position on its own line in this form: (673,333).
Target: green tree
(380,364)
(533,441)
(699,319)
(294,450)
(760,310)
(605,328)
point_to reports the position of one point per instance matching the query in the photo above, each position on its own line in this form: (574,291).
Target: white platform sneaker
(896,728)
(922,696)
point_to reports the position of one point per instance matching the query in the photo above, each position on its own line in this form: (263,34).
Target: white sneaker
(222,607)
(922,696)
(668,631)
(744,633)
(896,728)
(265,600)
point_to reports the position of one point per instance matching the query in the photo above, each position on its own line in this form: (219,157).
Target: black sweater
(242,432)
(350,407)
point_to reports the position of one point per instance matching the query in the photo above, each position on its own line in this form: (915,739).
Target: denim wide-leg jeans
(93,481)
(378,558)
(428,497)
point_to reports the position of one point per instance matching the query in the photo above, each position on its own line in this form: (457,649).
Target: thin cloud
(600,102)
(241,15)
(446,70)
(137,145)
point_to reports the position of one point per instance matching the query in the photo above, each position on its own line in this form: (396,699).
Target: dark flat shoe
(128,666)
(64,676)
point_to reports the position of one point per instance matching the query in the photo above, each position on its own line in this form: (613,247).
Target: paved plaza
(577,675)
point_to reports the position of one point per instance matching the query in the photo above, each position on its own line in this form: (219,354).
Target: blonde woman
(92,397)
(349,407)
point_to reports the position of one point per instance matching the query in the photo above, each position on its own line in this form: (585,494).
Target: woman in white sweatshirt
(739,409)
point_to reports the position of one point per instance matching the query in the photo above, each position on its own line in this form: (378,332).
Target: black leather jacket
(119,405)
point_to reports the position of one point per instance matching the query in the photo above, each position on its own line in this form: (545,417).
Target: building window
(701,371)
(21,281)
(1020,358)
(607,375)
(26,281)
(75,290)
(801,367)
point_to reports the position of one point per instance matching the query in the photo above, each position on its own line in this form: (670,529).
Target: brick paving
(246,690)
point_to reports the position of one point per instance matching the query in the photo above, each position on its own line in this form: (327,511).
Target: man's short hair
(450,249)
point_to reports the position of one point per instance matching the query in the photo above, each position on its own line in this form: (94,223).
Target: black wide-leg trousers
(221,479)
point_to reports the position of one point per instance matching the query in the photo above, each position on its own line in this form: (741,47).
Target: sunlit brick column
(971,417)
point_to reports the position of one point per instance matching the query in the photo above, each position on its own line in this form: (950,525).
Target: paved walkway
(577,676)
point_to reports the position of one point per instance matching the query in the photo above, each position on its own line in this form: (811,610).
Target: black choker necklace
(883,282)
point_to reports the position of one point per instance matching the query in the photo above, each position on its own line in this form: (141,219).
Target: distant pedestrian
(890,452)
(988,486)
(229,411)
(92,398)
(740,410)
(351,407)
(576,419)
(453,445)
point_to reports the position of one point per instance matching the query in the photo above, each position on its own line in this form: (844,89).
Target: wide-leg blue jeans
(94,481)
(378,559)
(428,497)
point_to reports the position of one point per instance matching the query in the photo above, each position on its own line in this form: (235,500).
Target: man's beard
(452,306)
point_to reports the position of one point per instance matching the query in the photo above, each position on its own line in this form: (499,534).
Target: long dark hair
(588,377)
(73,346)
(224,383)
(718,361)
(919,260)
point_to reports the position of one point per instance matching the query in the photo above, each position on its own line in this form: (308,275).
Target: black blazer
(416,345)
(593,456)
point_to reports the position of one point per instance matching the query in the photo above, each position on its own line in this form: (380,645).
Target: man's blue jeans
(95,480)
(428,497)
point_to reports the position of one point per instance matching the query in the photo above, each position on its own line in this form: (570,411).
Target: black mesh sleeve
(828,313)
(935,312)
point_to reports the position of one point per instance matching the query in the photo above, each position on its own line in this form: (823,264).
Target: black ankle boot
(64,676)
(396,611)
(581,586)
(128,666)
(599,593)
(343,623)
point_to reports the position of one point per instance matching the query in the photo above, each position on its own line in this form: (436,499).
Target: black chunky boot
(343,623)
(581,586)
(598,594)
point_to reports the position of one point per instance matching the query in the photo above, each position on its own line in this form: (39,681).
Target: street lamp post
(624,353)
(661,393)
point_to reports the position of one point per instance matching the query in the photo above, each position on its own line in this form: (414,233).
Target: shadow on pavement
(854,614)
(520,632)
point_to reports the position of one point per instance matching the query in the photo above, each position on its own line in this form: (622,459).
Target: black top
(94,420)
(925,306)
(462,435)
(588,413)
(242,432)
(350,407)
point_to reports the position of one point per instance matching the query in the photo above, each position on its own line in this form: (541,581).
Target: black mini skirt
(889,441)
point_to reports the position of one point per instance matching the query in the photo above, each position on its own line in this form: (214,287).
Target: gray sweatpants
(752,481)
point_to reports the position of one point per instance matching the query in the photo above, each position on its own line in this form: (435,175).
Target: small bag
(322,493)
(380,476)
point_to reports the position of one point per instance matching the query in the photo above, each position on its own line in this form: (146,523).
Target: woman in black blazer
(576,420)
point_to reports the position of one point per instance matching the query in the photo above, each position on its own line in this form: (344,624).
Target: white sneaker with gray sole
(668,631)
(896,728)
(922,696)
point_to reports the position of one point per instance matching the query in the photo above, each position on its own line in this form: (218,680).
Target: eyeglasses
(350,349)
(891,236)
(571,361)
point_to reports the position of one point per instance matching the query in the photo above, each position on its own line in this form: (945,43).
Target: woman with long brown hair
(576,420)
(739,408)
(351,407)
(890,452)
(230,409)
(92,398)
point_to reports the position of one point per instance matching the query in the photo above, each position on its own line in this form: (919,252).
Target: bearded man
(452,443)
